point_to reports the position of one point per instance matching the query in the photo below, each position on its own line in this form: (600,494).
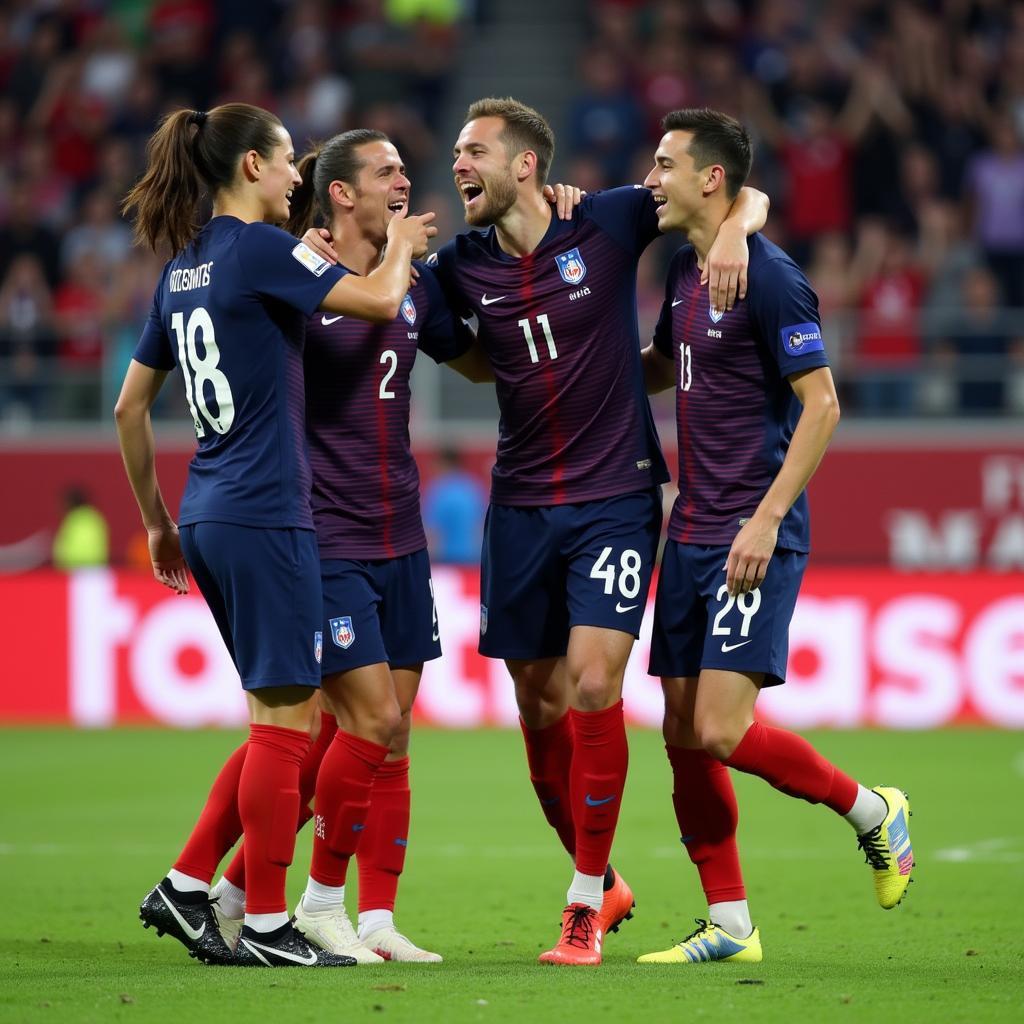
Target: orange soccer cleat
(618,904)
(580,944)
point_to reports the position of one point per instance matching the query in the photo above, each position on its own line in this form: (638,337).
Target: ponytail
(303,203)
(193,152)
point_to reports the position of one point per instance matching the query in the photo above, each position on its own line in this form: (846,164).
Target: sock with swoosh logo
(596,781)
(549,755)
(381,855)
(219,825)
(342,804)
(790,764)
(268,804)
(235,871)
(707,814)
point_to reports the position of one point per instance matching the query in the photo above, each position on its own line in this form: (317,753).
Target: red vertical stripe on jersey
(685,452)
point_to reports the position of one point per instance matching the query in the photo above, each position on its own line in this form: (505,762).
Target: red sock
(707,815)
(382,848)
(268,804)
(596,781)
(235,871)
(549,755)
(219,825)
(790,764)
(342,804)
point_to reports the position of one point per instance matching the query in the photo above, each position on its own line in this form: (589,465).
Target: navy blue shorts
(377,611)
(263,587)
(545,570)
(698,625)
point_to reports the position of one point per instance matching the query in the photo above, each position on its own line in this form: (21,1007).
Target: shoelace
(874,848)
(702,926)
(579,927)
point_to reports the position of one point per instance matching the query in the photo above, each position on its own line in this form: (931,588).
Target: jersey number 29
(200,371)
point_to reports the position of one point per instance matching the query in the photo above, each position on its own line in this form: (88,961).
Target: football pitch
(90,820)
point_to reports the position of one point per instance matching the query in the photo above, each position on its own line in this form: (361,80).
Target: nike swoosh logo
(328,320)
(484,301)
(194,934)
(726,648)
(675,302)
(308,961)
(620,608)
(435,637)
(591,802)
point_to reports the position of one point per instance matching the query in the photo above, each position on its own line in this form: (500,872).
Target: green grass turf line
(90,820)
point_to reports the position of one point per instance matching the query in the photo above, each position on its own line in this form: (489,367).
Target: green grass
(90,820)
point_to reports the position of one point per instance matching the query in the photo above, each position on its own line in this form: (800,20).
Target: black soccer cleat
(284,947)
(188,917)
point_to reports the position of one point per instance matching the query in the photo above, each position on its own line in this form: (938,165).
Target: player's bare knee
(678,731)
(595,690)
(400,739)
(377,722)
(719,739)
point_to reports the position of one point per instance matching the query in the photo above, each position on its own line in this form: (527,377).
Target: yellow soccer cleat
(709,942)
(887,848)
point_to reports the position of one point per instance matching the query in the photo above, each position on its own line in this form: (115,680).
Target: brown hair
(717,139)
(192,151)
(334,160)
(524,129)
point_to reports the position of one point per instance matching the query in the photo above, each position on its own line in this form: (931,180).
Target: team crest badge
(715,314)
(483,619)
(318,646)
(342,632)
(571,266)
(408,310)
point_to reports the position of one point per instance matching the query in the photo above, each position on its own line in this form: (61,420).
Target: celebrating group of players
(300,522)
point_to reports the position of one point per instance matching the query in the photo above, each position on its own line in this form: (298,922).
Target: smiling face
(678,186)
(381,188)
(277,178)
(483,172)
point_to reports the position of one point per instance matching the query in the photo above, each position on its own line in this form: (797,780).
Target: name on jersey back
(188,278)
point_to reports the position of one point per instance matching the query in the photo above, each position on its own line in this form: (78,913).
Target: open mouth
(396,205)
(470,192)
(660,201)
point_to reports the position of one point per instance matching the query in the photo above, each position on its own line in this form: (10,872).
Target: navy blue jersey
(230,310)
(366,487)
(735,409)
(559,327)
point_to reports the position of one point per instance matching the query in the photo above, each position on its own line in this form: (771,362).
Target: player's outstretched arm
(135,432)
(752,549)
(378,296)
(725,269)
(659,370)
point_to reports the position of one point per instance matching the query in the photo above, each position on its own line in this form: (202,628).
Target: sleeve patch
(316,265)
(800,339)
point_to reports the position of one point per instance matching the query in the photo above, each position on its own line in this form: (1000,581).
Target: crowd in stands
(888,134)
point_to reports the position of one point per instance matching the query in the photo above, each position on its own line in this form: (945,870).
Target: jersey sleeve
(628,214)
(663,330)
(442,263)
(282,268)
(443,336)
(154,348)
(784,308)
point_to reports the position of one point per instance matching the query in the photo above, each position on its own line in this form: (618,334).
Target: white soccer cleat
(390,944)
(333,931)
(229,927)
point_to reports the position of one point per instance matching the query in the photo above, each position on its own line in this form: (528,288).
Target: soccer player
(755,408)
(379,620)
(575,512)
(229,312)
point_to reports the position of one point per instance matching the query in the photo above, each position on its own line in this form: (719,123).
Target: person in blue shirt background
(454,503)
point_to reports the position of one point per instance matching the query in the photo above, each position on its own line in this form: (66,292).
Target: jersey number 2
(198,372)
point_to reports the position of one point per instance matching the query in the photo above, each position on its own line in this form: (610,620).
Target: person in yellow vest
(82,537)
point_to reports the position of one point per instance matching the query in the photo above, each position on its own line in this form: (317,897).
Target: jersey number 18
(200,371)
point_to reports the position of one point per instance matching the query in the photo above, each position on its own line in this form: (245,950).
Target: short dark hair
(717,139)
(525,128)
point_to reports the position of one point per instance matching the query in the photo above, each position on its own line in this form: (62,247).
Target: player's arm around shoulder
(725,269)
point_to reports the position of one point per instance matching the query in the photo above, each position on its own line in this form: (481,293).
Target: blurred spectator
(454,503)
(995,178)
(26,338)
(23,233)
(100,233)
(81,541)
